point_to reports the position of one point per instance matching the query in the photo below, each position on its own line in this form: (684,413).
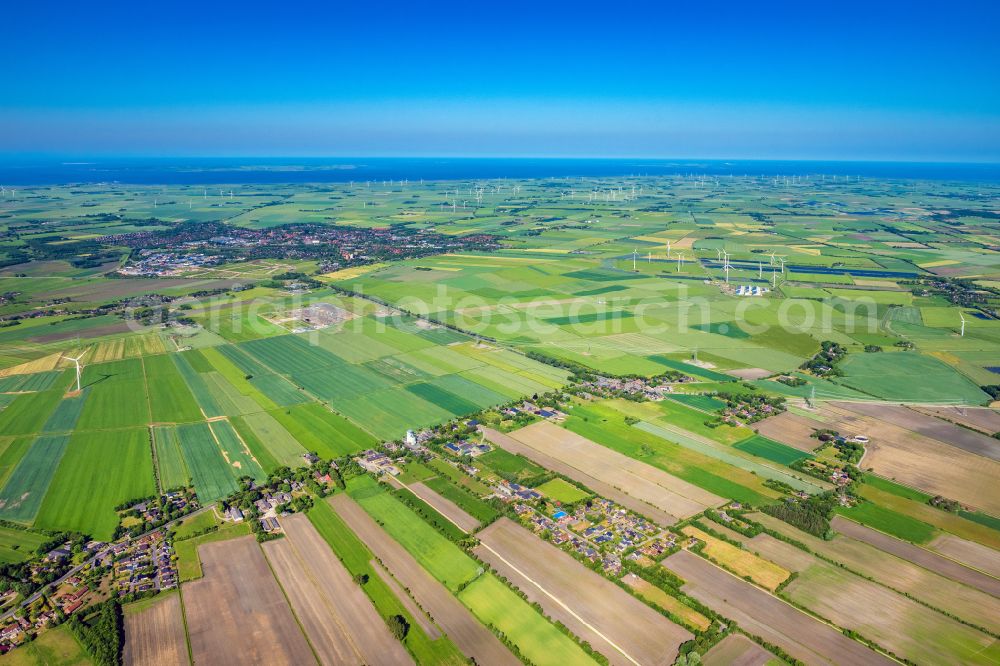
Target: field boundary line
(561,604)
(923,548)
(808,614)
(288,602)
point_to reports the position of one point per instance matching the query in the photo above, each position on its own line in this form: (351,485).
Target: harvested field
(616,624)
(445,507)
(658,597)
(921,556)
(603,489)
(471,637)
(737,650)
(969,553)
(790,429)
(237,614)
(981,418)
(928,426)
(744,563)
(341,622)
(914,460)
(961,600)
(155,635)
(800,635)
(649,484)
(899,624)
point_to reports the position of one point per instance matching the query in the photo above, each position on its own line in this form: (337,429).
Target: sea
(23,171)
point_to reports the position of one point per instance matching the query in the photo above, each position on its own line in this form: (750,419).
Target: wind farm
(451,334)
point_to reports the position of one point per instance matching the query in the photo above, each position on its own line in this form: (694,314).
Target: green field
(359,561)
(562,491)
(539,641)
(22,495)
(18,545)
(474,506)
(213,476)
(443,559)
(762,447)
(891,522)
(99,471)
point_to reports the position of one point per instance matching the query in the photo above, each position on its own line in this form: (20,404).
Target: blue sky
(762,80)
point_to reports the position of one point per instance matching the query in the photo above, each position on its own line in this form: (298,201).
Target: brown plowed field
(790,429)
(155,635)
(339,619)
(471,637)
(928,426)
(608,472)
(963,601)
(914,460)
(615,623)
(983,419)
(445,507)
(237,614)
(917,555)
(970,553)
(800,635)
(736,650)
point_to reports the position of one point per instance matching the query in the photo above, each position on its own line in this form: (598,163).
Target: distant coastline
(26,171)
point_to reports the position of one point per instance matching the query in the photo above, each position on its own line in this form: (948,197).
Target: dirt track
(237,614)
(917,555)
(615,623)
(471,637)
(339,619)
(445,507)
(760,613)
(155,636)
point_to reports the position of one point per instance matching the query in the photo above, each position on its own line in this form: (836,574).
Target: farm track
(618,625)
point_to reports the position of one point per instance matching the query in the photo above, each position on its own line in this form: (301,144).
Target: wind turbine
(726,268)
(774,279)
(782,260)
(680,260)
(962,316)
(76,362)
(760,269)
(635,253)
(718,254)
(668,249)
(772,257)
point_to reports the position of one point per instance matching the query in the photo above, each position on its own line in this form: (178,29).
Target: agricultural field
(397,313)
(236,569)
(797,633)
(471,637)
(341,624)
(647,484)
(154,634)
(612,621)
